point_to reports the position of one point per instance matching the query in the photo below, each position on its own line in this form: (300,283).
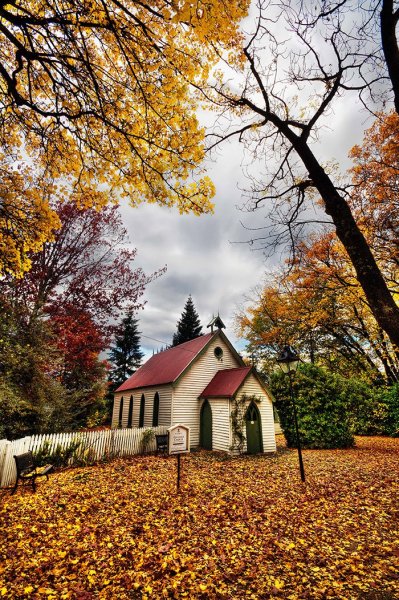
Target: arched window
(120,412)
(142,408)
(130,414)
(155,410)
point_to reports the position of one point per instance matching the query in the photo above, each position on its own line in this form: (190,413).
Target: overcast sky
(201,256)
(200,253)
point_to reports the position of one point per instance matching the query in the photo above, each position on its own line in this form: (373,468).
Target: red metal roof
(165,367)
(225,383)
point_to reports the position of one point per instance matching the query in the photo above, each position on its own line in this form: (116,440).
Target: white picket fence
(120,442)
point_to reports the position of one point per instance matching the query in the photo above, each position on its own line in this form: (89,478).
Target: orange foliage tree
(318,304)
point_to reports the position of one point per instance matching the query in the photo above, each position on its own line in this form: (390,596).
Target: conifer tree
(189,326)
(126,355)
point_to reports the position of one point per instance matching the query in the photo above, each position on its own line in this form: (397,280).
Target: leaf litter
(243,527)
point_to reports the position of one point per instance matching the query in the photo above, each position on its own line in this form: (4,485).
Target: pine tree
(189,326)
(126,355)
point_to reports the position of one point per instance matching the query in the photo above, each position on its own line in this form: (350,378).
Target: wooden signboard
(179,439)
(178,444)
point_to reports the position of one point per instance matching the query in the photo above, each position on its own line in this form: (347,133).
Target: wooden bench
(27,471)
(162,442)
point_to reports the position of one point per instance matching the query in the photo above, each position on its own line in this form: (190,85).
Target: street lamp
(288,361)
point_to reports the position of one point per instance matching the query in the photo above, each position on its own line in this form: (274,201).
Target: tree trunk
(389,21)
(380,300)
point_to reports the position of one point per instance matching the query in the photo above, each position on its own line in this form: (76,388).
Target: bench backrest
(24,462)
(162,441)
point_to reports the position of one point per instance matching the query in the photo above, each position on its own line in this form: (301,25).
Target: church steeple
(216,322)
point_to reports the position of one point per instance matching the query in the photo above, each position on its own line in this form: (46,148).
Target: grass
(238,528)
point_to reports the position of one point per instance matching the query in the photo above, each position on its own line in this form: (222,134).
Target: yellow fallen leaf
(3,591)
(278,583)
(28,589)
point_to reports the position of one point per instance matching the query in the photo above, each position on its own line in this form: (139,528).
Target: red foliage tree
(78,285)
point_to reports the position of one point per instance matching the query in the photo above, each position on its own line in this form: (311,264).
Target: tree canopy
(302,61)
(125,354)
(57,320)
(316,303)
(95,96)
(189,325)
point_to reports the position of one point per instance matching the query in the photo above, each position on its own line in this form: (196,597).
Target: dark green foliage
(126,355)
(323,407)
(189,326)
(390,398)
(31,399)
(16,413)
(59,457)
(331,409)
(376,410)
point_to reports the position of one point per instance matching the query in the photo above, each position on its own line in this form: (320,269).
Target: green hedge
(321,398)
(332,409)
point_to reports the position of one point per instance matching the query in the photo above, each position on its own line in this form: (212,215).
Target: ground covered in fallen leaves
(239,528)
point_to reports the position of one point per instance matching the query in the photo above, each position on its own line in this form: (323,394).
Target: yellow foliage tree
(26,219)
(99,95)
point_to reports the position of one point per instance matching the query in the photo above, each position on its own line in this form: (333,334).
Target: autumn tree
(125,355)
(96,95)
(32,399)
(375,195)
(188,326)
(317,304)
(26,218)
(76,285)
(88,265)
(319,308)
(79,342)
(301,61)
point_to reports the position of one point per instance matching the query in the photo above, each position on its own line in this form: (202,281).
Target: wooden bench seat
(27,471)
(162,442)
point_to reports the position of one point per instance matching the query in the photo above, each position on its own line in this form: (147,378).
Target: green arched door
(206,426)
(253,429)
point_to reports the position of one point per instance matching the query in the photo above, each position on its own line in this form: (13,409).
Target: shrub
(374,410)
(323,408)
(389,398)
(147,436)
(368,411)
(75,454)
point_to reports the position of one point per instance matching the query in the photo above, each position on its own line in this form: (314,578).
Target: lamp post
(288,361)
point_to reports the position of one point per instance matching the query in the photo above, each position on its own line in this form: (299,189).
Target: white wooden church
(199,384)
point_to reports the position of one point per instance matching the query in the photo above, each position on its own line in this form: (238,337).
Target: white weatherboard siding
(252,387)
(115,410)
(221,429)
(125,411)
(165,404)
(185,404)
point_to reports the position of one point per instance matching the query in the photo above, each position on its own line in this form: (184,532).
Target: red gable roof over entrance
(165,367)
(225,383)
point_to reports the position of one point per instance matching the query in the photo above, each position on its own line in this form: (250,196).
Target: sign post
(178,443)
